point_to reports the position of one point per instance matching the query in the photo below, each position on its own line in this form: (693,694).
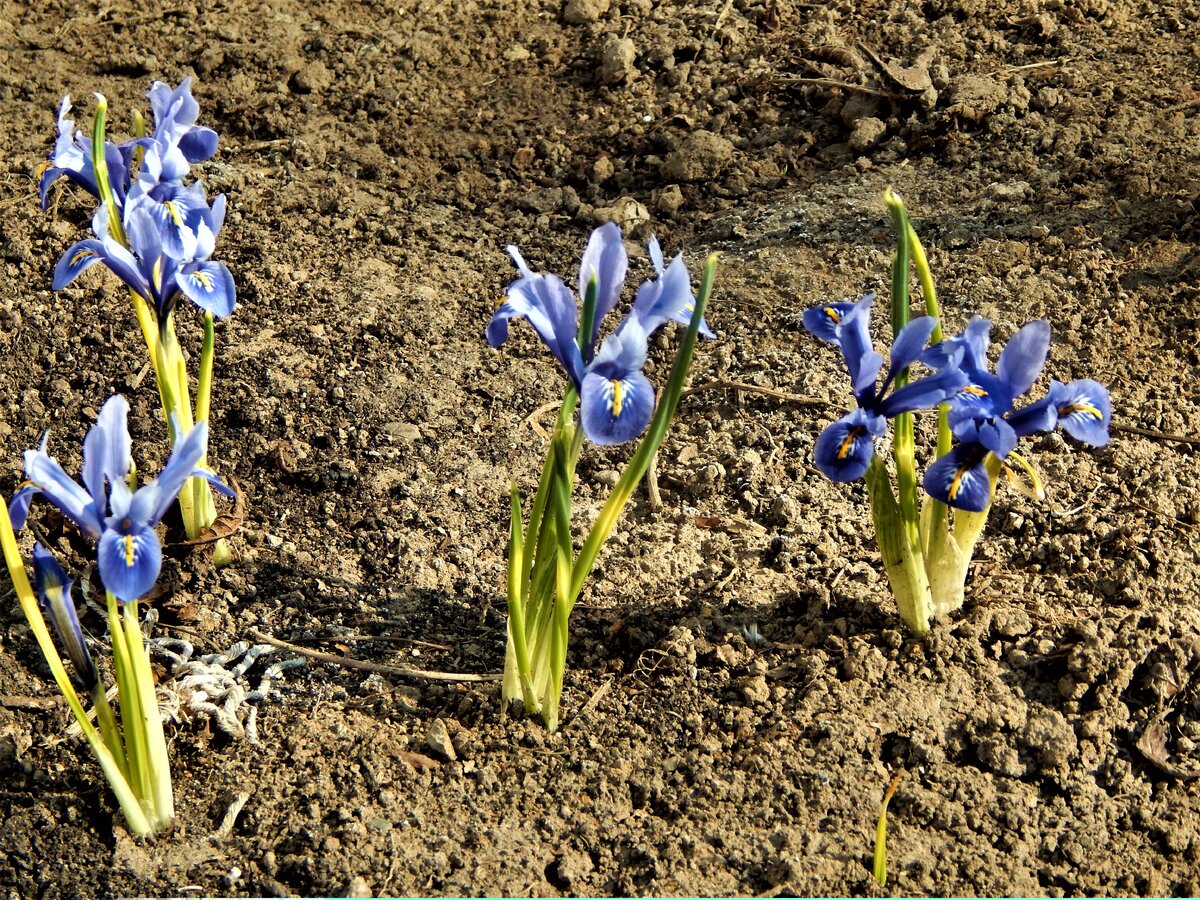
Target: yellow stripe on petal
(975,389)
(173,209)
(156,274)
(618,398)
(848,443)
(956,484)
(81,256)
(129,554)
(204,279)
(1086,408)
(833,314)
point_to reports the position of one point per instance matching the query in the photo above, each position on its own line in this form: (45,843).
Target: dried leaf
(1153,746)
(418,760)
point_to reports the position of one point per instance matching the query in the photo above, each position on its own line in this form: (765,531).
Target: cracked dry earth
(377,159)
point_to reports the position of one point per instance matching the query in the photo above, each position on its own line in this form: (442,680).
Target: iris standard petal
(152,499)
(924,392)
(605,260)
(908,345)
(823,321)
(960,479)
(844,449)
(107,450)
(60,489)
(54,591)
(129,558)
(1023,356)
(209,285)
(656,254)
(668,298)
(615,409)
(1085,411)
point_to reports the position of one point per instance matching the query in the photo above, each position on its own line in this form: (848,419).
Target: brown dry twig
(797,399)
(365,666)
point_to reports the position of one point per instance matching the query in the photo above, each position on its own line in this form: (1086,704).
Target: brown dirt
(376,164)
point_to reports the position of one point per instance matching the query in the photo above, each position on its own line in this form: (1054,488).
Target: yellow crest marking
(1085,408)
(173,209)
(848,443)
(618,398)
(833,314)
(956,484)
(976,390)
(129,554)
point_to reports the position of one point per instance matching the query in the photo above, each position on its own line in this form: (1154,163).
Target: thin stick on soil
(1157,435)
(755,389)
(365,666)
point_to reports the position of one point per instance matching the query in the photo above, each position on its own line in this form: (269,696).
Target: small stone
(437,739)
(581,12)
(516,53)
(1009,190)
(358,887)
(608,477)
(669,200)
(868,131)
(631,215)
(702,154)
(402,431)
(616,60)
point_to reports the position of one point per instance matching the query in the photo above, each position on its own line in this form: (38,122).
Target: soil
(740,691)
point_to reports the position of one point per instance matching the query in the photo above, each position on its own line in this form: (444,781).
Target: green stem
(100,168)
(158,765)
(902,560)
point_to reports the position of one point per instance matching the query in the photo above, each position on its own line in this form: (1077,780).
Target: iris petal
(909,344)
(1023,356)
(844,449)
(1085,411)
(924,392)
(60,489)
(129,558)
(604,259)
(78,259)
(823,321)
(54,591)
(960,478)
(613,410)
(209,285)
(548,306)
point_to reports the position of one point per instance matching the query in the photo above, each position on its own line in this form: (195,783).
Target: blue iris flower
(982,415)
(616,400)
(72,157)
(54,592)
(148,267)
(176,143)
(120,520)
(844,449)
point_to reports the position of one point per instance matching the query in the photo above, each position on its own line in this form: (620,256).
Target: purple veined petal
(78,259)
(118,171)
(924,393)
(214,479)
(843,450)
(960,479)
(854,337)
(198,144)
(907,346)
(129,558)
(120,261)
(984,395)
(992,432)
(48,173)
(604,259)
(1085,411)
(174,109)
(823,321)
(107,449)
(54,591)
(177,212)
(1039,417)
(209,285)
(1023,356)
(153,499)
(615,407)
(216,216)
(60,489)
(622,351)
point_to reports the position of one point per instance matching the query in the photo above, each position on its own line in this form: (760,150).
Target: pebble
(616,60)
(358,887)
(404,431)
(437,739)
(868,131)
